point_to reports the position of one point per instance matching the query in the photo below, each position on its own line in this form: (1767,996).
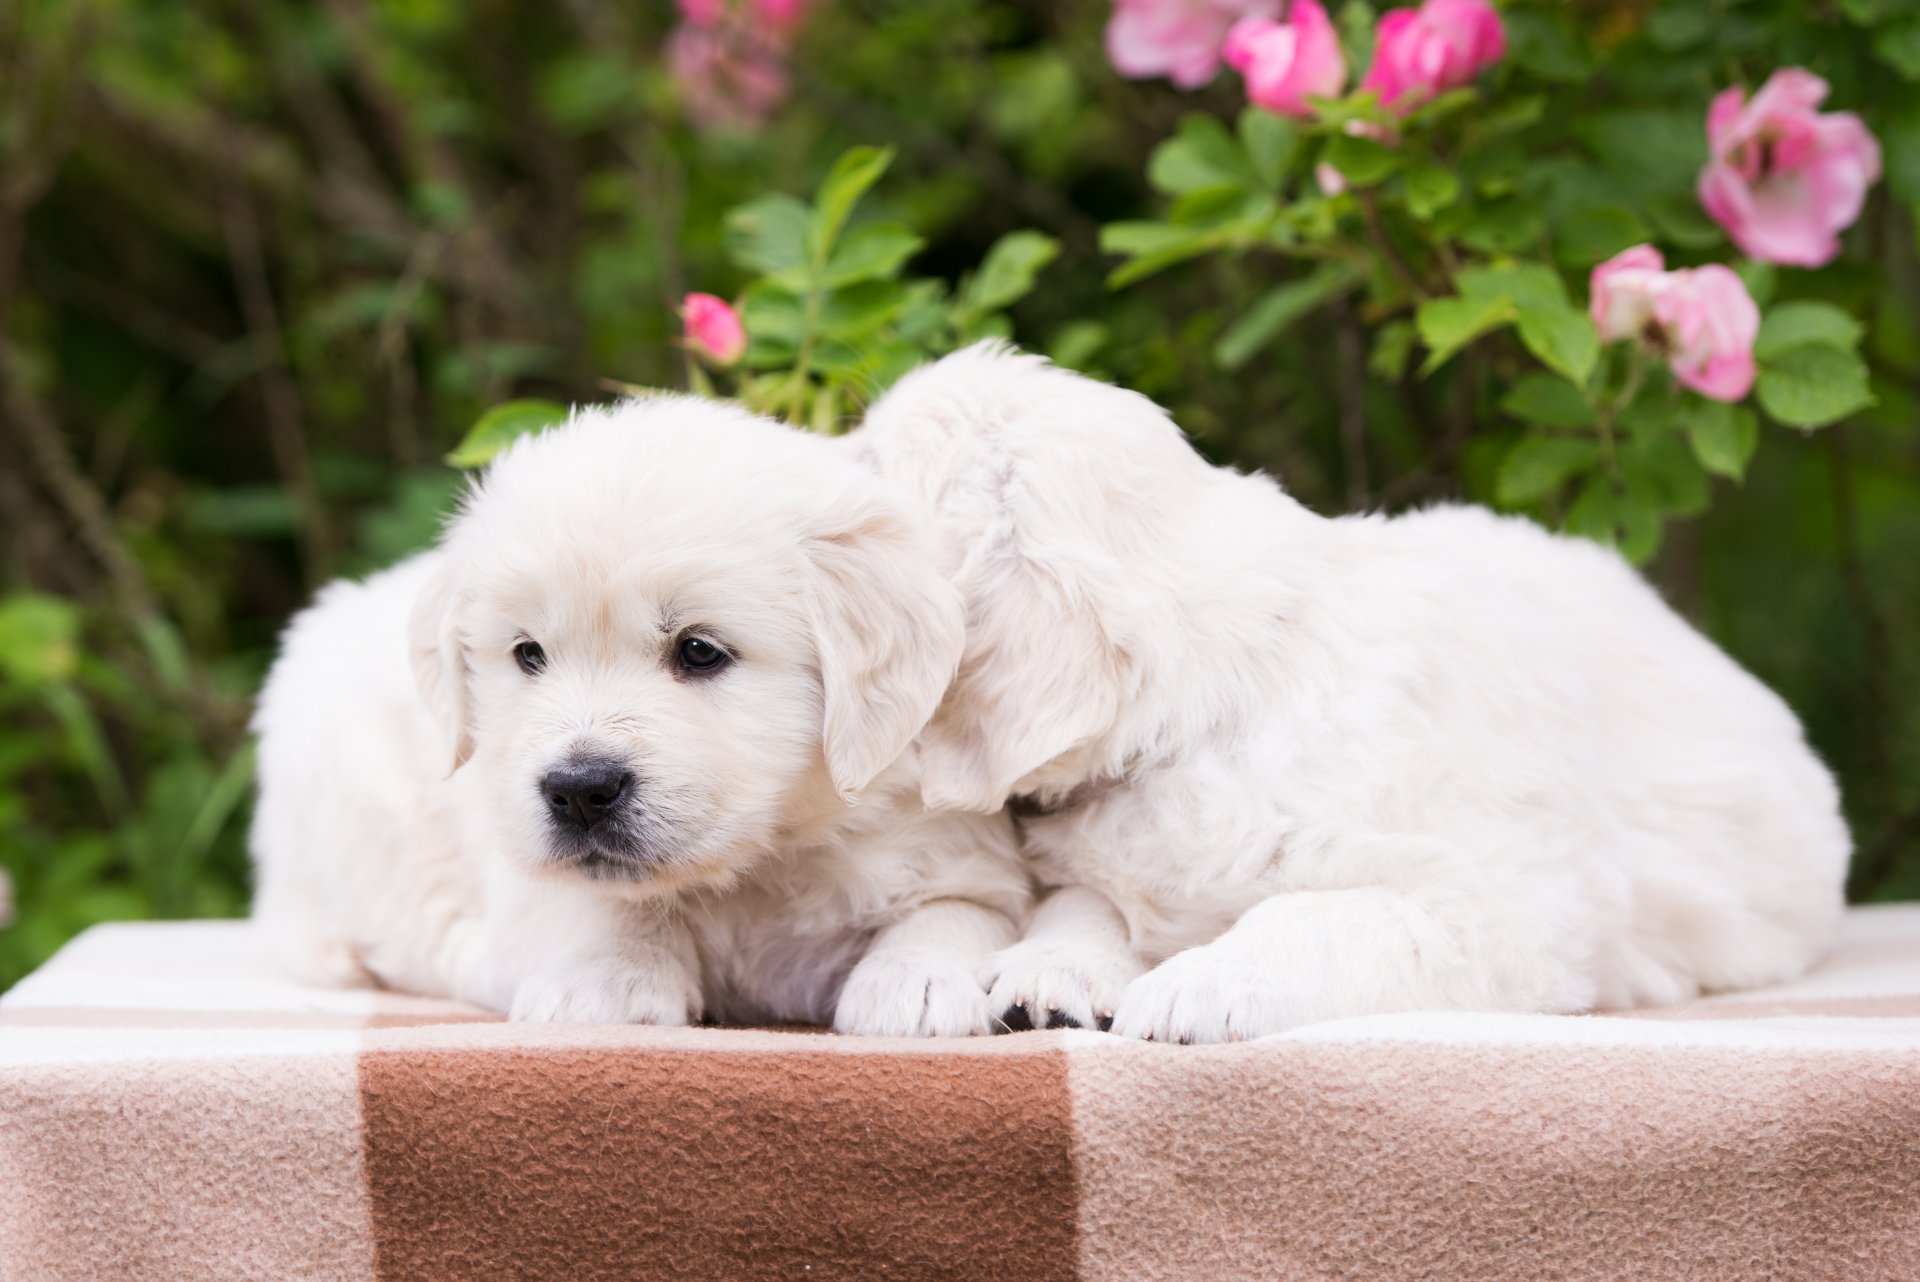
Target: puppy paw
(607,992)
(911,993)
(1202,995)
(1034,985)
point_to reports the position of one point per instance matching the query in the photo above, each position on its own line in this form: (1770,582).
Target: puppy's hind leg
(920,976)
(1070,969)
(1314,955)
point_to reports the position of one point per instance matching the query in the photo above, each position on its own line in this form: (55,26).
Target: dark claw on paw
(1104,1023)
(1060,1019)
(1016,1020)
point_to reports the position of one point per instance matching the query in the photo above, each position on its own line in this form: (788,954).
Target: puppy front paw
(1035,985)
(911,993)
(613,991)
(1204,995)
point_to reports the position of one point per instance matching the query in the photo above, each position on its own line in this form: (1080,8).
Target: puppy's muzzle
(581,795)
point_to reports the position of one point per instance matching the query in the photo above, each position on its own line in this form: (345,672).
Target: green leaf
(1674,26)
(1792,325)
(1650,151)
(1549,401)
(1362,161)
(1392,346)
(1539,466)
(1621,520)
(1153,247)
(1813,385)
(775,318)
(857,169)
(769,235)
(1504,226)
(872,252)
(1563,337)
(501,426)
(1680,221)
(1723,437)
(1449,324)
(1202,155)
(1224,209)
(1759,278)
(583,91)
(39,637)
(1507,115)
(1270,141)
(1430,189)
(1074,346)
(1278,309)
(1547,43)
(856,312)
(1899,47)
(1659,469)
(1591,234)
(1008,271)
(1526,284)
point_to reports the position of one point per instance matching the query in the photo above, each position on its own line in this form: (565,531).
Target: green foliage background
(263,262)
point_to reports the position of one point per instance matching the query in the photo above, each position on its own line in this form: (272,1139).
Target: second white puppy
(597,757)
(1310,768)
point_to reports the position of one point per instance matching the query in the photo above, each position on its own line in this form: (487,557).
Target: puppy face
(665,634)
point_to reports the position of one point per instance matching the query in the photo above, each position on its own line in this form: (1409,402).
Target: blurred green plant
(829,320)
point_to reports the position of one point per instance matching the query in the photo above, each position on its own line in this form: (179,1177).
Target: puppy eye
(530,657)
(697,654)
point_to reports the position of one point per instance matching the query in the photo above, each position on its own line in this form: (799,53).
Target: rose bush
(1445,214)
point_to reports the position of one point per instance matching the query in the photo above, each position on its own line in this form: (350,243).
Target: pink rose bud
(1442,45)
(714,331)
(1783,179)
(1286,63)
(1701,321)
(1178,39)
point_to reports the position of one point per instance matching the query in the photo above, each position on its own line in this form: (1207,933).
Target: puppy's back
(346,753)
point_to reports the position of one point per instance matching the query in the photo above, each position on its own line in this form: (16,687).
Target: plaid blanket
(171,1110)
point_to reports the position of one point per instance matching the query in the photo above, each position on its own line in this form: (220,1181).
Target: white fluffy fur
(1308,768)
(787,869)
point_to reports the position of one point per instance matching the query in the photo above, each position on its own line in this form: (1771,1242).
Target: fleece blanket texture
(169,1109)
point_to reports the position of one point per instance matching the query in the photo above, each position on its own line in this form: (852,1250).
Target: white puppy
(663,651)
(1311,768)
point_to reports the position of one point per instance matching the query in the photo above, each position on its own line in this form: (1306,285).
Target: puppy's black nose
(582,793)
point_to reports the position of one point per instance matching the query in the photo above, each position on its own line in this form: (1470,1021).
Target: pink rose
(1623,288)
(727,79)
(1418,53)
(1178,39)
(1286,63)
(714,332)
(780,14)
(1700,320)
(1784,180)
(702,13)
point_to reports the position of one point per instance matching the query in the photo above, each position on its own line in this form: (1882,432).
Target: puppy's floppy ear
(1040,677)
(890,631)
(440,660)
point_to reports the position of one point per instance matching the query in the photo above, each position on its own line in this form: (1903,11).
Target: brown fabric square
(637,1162)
